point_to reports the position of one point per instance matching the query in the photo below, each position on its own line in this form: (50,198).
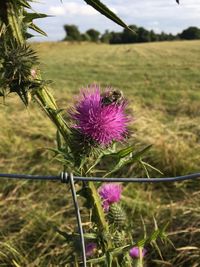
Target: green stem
(99,214)
(99,219)
(48,104)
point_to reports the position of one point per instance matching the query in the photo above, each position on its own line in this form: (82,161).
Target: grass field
(162,84)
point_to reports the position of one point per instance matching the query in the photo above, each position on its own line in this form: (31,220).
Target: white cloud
(72,8)
(57,10)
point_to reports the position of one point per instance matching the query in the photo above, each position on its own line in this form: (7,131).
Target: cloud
(158,9)
(57,10)
(72,8)
(170,17)
(159,15)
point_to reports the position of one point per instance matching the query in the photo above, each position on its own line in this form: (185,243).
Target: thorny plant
(85,142)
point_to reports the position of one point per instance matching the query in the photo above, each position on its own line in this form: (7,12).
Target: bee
(112,96)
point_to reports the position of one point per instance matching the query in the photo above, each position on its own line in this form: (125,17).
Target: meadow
(162,84)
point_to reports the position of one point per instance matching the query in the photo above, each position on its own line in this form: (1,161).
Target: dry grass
(162,84)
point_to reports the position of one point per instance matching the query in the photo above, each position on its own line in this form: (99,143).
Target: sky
(159,15)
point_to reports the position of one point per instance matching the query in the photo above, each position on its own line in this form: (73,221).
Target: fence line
(100,179)
(64,177)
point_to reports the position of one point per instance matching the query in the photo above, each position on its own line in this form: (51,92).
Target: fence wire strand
(100,179)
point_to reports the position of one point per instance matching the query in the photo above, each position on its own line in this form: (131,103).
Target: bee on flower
(100,117)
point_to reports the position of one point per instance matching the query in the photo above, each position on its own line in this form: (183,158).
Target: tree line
(139,35)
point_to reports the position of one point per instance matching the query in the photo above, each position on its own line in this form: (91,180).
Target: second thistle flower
(99,117)
(110,193)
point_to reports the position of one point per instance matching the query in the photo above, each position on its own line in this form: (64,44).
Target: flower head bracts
(101,123)
(110,193)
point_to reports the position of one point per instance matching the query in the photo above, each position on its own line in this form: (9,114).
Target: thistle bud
(117,215)
(135,252)
(90,249)
(119,238)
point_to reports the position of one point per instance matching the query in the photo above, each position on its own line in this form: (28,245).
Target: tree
(94,35)
(72,33)
(116,38)
(162,36)
(85,37)
(171,37)
(143,35)
(128,36)
(153,36)
(106,37)
(190,33)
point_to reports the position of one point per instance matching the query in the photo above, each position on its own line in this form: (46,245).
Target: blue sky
(159,15)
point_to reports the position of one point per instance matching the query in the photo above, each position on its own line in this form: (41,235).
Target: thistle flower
(90,249)
(135,252)
(110,193)
(103,123)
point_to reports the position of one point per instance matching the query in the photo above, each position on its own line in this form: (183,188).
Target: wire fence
(68,178)
(64,177)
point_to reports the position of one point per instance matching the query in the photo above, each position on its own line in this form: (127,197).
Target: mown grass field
(162,84)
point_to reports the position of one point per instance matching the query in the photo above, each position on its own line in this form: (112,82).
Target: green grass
(162,84)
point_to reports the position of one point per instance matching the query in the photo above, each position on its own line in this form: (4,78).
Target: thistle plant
(95,133)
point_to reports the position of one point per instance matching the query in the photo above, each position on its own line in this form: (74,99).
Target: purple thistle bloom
(102,123)
(90,249)
(110,193)
(135,252)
